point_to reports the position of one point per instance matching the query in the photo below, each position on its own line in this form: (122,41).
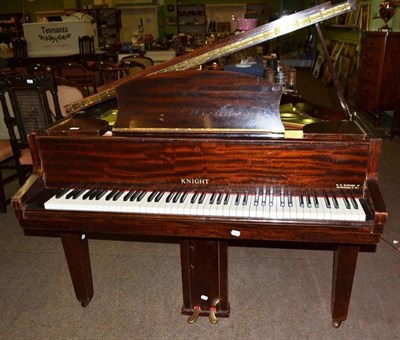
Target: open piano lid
(197,102)
(274,29)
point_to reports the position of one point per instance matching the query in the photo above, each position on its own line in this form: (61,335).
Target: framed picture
(364,22)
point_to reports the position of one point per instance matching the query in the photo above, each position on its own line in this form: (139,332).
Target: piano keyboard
(265,203)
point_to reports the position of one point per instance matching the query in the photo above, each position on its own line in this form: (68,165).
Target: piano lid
(197,102)
(274,29)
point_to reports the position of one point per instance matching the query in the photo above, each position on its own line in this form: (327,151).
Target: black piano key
(141,195)
(335,202)
(78,193)
(135,195)
(237,199)
(370,214)
(212,198)
(256,197)
(290,199)
(118,195)
(264,196)
(183,197)
(308,200)
(170,196)
(111,195)
(282,198)
(245,198)
(88,193)
(176,197)
(346,202)
(94,194)
(219,198)
(159,196)
(301,201)
(327,202)
(152,196)
(316,202)
(226,199)
(100,194)
(62,192)
(129,195)
(194,197)
(72,193)
(354,202)
(201,198)
(271,196)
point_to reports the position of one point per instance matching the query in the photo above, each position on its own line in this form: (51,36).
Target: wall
(374,24)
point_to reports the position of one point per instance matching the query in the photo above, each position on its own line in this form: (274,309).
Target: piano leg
(344,267)
(76,251)
(204,279)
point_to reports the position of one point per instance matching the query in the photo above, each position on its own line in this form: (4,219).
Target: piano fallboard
(228,162)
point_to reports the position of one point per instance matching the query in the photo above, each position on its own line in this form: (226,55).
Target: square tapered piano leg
(76,251)
(344,267)
(204,279)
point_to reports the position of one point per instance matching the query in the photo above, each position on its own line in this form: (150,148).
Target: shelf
(343,26)
(10,27)
(191,19)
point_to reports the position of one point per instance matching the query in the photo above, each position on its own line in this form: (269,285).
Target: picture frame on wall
(364,22)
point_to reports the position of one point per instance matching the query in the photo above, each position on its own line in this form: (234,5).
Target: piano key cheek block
(203,157)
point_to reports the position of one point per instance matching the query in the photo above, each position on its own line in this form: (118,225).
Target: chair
(68,92)
(86,45)
(132,66)
(79,73)
(111,73)
(7,161)
(28,111)
(146,61)
(39,69)
(20,48)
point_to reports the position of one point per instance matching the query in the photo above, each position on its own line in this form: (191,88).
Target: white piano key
(360,211)
(253,206)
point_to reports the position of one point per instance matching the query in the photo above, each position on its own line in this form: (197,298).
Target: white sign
(57,38)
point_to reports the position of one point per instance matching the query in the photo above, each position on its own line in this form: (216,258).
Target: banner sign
(57,38)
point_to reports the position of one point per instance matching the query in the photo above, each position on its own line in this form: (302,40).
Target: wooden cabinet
(10,27)
(192,19)
(379,73)
(261,12)
(108,22)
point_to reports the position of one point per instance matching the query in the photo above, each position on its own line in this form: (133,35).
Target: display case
(10,27)
(261,12)
(108,22)
(191,19)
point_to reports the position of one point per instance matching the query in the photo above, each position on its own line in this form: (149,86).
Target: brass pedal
(212,317)
(196,312)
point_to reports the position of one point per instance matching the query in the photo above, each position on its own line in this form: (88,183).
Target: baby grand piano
(203,156)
